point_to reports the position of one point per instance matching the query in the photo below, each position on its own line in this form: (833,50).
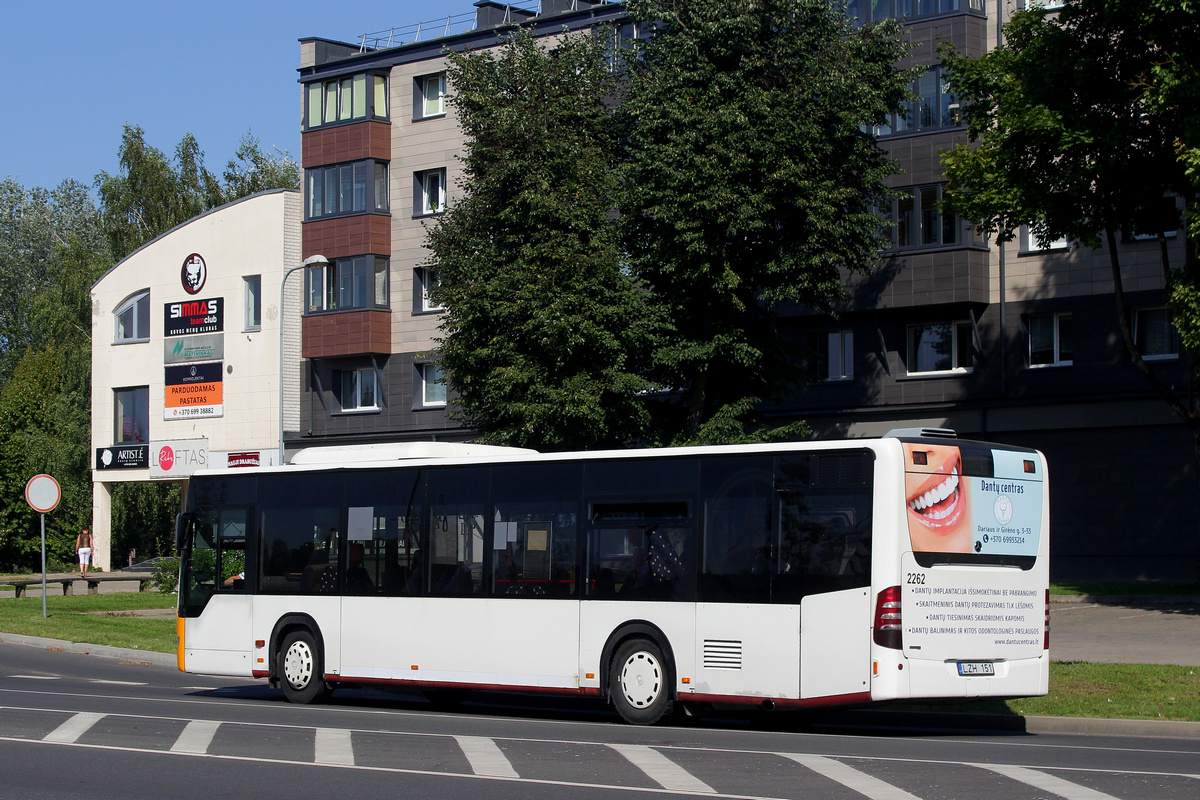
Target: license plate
(976,668)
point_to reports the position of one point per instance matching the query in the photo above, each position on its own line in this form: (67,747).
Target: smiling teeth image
(936,495)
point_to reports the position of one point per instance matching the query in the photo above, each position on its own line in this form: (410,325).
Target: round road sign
(42,493)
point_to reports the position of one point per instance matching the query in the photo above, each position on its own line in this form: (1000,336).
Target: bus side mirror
(181,525)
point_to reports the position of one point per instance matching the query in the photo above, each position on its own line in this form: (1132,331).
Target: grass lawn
(1109,691)
(94,619)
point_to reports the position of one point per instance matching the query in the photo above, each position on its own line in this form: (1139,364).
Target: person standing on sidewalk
(83,546)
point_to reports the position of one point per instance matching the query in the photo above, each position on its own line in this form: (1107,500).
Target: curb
(954,722)
(102,650)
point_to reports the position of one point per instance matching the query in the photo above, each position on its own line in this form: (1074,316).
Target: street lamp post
(311,261)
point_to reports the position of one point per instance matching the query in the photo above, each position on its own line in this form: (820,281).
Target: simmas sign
(193,316)
(193,390)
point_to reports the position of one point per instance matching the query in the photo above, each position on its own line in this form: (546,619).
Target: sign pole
(42,493)
(43,516)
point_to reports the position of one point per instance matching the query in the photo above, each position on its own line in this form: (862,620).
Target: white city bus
(778,576)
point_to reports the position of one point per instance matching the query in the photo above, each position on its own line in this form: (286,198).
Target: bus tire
(640,682)
(301,668)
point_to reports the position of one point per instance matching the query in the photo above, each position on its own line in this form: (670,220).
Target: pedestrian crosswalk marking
(861,782)
(196,737)
(1047,783)
(333,746)
(662,770)
(485,757)
(70,731)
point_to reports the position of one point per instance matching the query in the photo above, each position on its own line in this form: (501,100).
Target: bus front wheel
(640,682)
(300,668)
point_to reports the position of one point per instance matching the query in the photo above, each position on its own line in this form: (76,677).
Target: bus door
(823,541)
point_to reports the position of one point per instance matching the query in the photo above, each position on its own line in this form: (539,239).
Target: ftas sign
(178,458)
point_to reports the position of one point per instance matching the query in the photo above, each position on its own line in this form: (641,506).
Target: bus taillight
(888,628)
(1046,641)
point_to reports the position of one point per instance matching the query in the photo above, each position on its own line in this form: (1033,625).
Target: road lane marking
(662,770)
(1047,783)
(196,736)
(119,683)
(485,757)
(37,677)
(851,778)
(333,746)
(72,729)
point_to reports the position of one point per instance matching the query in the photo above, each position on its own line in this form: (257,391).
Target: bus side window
(300,519)
(457,500)
(534,530)
(824,519)
(736,560)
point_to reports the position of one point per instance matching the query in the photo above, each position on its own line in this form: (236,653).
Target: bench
(93,582)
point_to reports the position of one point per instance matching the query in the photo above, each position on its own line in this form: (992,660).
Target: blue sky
(75,72)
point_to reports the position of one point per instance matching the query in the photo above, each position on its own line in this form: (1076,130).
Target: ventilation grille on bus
(722,654)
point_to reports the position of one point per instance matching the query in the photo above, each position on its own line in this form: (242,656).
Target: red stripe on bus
(487,687)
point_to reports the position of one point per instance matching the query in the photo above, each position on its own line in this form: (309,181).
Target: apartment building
(1014,343)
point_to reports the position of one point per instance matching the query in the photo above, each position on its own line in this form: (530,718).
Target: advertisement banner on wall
(192,349)
(193,391)
(123,456)
(193,316)
(179,458)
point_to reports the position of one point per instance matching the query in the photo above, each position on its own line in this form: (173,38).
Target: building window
(359,389)
(1050,340)
(133,318)
(1030,243)
(430,189)
(431,386)
(348,98)
(353,188)
(253,293)
(935,107)
(430,100)
(940,347)
(425,281)
(347,283)
(917,220)
(1155,334)
(834,352)
(862,12)
(132,414)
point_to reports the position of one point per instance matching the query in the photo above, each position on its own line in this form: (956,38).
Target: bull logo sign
(194,274)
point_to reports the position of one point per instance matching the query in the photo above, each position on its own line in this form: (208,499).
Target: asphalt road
(74,726)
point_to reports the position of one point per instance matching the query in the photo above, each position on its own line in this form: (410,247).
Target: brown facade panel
(340,237)
(348,333)
(359,140)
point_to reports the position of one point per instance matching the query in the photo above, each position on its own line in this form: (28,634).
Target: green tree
(1080,125)
(544,333)
(143,520)
(35,224)
(253,170)
(750,183)
(153,193)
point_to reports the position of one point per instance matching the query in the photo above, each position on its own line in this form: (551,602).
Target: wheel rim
(298,665)
(641,679)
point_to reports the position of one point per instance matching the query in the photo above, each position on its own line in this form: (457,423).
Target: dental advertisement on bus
(967,507)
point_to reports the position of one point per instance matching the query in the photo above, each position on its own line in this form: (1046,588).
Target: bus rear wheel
(640,682)
(300,668)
